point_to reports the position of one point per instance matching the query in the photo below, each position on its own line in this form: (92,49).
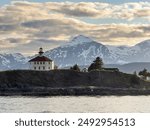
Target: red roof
(40,58)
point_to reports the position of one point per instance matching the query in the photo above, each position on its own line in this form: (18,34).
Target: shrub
(75,67)
(135,80)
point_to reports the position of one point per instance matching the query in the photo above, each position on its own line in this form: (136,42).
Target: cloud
(101,10)
(26,25)
(7,27)
(120,33)
(82,9)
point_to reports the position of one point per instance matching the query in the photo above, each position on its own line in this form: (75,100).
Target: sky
(26,25)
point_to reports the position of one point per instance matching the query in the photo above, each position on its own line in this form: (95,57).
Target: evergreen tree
(75,67)
(144,73)
(134,79)
(96,65)
(91,67)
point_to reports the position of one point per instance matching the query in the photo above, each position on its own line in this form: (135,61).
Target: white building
(41,63)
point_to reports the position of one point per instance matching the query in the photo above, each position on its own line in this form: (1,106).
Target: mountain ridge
(82,50)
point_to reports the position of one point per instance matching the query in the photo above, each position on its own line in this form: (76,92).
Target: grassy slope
(22,81)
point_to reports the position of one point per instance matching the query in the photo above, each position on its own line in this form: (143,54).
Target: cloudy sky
(27,25)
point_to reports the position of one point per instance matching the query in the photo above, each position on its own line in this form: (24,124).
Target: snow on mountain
(12,61)
(80,39)
(142,51)
(83,50)
(138,53)
(80,50)
(145,44)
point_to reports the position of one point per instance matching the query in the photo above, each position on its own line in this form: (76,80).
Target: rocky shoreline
(77,92)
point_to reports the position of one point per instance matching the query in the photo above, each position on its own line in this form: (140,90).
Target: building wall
(41,66)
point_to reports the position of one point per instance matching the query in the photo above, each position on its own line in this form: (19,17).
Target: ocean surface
(75,104)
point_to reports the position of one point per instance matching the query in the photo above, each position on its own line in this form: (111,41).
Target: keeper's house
(41,63)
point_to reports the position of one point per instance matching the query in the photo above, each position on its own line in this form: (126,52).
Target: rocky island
(70,82)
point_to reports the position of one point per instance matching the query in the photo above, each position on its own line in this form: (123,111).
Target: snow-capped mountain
(13,61)
(138,53)
(80,50)
(83,50)
(80,39)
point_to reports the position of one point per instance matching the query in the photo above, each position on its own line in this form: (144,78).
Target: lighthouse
(41,62)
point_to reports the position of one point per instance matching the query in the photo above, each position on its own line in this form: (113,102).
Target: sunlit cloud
(28,25)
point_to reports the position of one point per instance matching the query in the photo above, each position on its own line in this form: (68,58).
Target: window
(49,68)
(43,67)
(34,62)
(43,62)
(49,62)
(34,68)
(39,68)
(37,62)
(40,62)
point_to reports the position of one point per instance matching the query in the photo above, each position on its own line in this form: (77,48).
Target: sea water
(75,104)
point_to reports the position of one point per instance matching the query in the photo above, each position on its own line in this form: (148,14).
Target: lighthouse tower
(41,51)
